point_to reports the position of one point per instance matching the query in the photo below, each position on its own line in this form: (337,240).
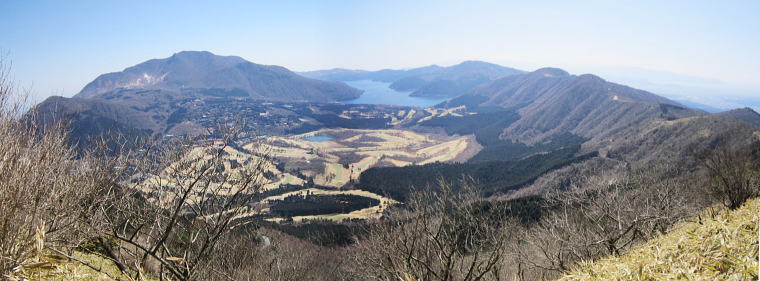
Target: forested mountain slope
(550,101)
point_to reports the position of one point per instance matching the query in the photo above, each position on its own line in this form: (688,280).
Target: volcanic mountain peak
(204,70)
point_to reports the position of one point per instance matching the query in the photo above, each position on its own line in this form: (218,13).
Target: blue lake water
(379,93)
(318,138)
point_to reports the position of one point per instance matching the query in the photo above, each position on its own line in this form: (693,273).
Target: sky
(703,51)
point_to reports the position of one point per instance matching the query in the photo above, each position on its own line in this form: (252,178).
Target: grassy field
(722,246)
(336,162)
(231,155)
(349,152)
(458,111)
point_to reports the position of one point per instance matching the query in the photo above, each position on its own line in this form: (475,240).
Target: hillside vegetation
(720,245)
(550,102)
(491,176)
(614,174)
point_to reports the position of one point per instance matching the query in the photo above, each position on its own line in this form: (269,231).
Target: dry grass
(366,149)
(322,161)
(458,111)
(333,175)
(75,271)
(50,264)
(719,246)
(369,148)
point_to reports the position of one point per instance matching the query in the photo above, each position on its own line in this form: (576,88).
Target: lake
(379,93)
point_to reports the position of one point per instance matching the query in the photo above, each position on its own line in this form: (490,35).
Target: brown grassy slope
(721,246)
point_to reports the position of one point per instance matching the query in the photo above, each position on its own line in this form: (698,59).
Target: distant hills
(681,140)
(428,81)
(160,96)
(198,71)
(745,114)
(550,102)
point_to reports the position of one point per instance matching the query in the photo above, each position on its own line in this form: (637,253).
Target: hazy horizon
(704,52)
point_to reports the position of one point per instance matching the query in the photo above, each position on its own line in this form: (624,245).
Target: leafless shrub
(263,254)
(176,204)
(161,211)
(48,194)
(443,235)
(605,216)
(735,173)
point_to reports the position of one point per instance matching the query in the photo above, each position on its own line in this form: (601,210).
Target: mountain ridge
(426,81)
(550,101)
(204,70)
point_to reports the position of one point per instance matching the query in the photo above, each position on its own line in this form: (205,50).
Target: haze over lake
(379,93)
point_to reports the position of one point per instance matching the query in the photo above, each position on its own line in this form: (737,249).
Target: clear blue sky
(59,46)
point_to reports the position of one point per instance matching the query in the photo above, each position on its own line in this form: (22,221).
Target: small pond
(318,138)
